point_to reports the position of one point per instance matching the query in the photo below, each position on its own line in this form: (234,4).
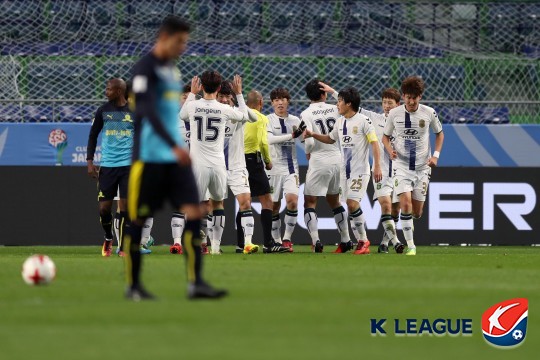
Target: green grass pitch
(281,306)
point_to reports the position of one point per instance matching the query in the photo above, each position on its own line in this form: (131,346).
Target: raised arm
(242,107)
(195,89)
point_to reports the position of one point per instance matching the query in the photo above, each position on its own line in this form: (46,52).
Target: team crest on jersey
(379,185)
(355,130)
(396,182)
(127,118)
(505,324)
(422,123)
(271,189)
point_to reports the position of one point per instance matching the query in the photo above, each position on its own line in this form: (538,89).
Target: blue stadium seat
(494,115)
(66,17)
(49,80)
(145,17)
(133,48)
(277,49)
(51,49)
(464,115)
(16,49)
(443,81)
(107,19)
(38,113)
(196,49)
(75,113)
(10,113)
(93,49)
(238,18)
(531,51)
(201,14)
(370,78)
(227,49)
(286,20)
(122,69)
(268,74)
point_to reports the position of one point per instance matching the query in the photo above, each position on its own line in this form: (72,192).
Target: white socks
(178,222)
(407,225)
(357,224)
(312,223)
(340,217)
(291,216)
(248,225)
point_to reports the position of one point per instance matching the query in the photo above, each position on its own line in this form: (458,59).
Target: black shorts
(258,181)
(111,180)
(150,184)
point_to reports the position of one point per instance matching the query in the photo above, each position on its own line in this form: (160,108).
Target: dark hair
(413,85)
(391,93)
(313,90)
(128,89)
(172,24)
(186,88)
(210,80)
(280,93)
(352,96)
(226,88)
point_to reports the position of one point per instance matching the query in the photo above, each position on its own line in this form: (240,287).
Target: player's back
(208,119)
(185,130)
(159,80)
(321,118)
(284,160)
(411,131)
(379,122)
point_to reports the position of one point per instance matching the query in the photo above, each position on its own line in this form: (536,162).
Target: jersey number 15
(211,131)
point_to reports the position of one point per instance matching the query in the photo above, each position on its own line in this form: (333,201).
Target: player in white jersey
(284,177)
(325,162)
(235,161)
(355,133)
(208,120)
(384,190)
(410,124)
(178,220)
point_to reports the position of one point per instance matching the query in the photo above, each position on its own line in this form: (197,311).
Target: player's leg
(178,224)
(340,217)
(146,238)
(356,189)
(398,246)
(247,222)
(106,219)
(333,199)
(217,188)
(387,222)
(312,221)
(290,189)
(107,186)
(276,189)
(417,199)
(145,194)
(116,227)
(185,196)
(405,203)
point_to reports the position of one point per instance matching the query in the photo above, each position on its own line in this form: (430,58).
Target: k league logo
(504,325)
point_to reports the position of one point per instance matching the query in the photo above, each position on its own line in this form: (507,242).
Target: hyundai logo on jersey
(410,132)
(505,324)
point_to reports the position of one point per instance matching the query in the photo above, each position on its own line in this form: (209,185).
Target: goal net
(470,54)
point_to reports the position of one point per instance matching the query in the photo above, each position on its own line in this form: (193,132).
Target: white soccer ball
(517,334)
(38,270)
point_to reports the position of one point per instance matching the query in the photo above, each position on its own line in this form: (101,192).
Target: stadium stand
(479,59)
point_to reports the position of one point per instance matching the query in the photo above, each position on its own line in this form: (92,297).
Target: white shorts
(238,182)
(283,184)
(355,187)
(413,181)
(385,188)
(211,180)
(322,181)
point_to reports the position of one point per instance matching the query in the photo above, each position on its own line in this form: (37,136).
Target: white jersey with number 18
(320,118)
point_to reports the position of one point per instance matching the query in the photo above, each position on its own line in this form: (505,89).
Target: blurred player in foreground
(355,133)
(410,124)
(162,167)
